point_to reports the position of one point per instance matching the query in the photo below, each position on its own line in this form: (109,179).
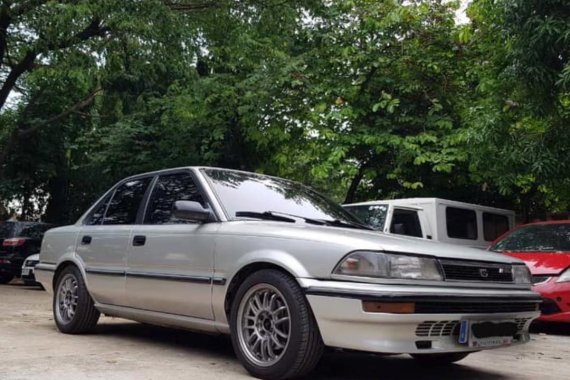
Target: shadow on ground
(551,328)
(334,365)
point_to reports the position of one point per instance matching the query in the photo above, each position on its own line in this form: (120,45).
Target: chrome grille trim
(476,271)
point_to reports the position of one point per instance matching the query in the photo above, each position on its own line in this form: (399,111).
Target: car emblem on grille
(484,272)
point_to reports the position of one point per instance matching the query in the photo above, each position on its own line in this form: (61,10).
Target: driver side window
(169,189)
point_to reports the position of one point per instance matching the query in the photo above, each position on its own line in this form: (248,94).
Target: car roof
(168,170)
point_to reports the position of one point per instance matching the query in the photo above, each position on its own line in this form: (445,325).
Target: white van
(437,219)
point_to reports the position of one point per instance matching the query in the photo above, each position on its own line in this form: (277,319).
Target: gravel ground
(31,348)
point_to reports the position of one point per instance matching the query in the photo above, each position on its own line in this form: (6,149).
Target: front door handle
(86,240)
(139,240)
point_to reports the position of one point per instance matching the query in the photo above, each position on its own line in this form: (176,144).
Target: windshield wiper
(345,224)
(266,215)
(306,219)
(286,217)
(279,216)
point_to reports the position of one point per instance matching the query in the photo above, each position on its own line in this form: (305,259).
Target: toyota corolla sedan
(545,248)
(279,267)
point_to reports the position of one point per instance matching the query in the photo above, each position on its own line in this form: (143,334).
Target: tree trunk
(351,193)
(57,210)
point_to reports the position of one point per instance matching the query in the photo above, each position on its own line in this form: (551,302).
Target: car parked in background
(436,219)
(545,248)
(282,269)
(18,240)
(28,275)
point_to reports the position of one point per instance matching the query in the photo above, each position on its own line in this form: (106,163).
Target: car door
(104,240)
(170,261)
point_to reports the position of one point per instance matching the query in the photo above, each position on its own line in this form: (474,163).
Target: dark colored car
(18,240)
(545,248)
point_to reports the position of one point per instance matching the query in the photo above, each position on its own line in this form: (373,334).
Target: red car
(545,248)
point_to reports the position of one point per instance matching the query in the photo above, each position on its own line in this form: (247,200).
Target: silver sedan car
(282,269)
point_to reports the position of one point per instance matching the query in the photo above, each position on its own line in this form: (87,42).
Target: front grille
(548,306)
(473,307)
(438,328)
(451,328)
(539,279)
(477,271)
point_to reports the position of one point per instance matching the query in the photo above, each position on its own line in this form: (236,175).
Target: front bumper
(556,300)
(343,323)
(28,274)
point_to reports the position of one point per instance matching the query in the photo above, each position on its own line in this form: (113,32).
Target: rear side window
(126,201)
(406,222)
(169,189)
(461,223)
(494,225)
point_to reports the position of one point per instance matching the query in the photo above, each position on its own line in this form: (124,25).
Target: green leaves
(361,99)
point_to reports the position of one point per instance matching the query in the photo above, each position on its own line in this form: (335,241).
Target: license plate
(481,334)
(25,272)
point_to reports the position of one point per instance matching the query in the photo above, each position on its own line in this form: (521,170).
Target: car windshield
(536,238)
(372,215)
(248,192)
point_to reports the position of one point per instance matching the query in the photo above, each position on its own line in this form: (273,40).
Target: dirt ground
(31,348)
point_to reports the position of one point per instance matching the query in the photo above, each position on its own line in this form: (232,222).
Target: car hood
(355,239)
(34,257)
(542,263)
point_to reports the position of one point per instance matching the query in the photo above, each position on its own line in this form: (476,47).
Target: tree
(519,117)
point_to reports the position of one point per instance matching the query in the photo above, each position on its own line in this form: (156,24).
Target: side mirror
(191,211)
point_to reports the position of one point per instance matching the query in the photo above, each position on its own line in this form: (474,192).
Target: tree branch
(5,20)
(94,29)
(74,108)
(24,65)
(191,7)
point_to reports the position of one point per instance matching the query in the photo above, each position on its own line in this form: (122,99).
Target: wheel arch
(67,262)
(243,273)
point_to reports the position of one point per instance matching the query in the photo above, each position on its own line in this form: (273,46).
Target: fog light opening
(423,344)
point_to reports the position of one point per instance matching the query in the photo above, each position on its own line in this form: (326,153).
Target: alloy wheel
(264,325)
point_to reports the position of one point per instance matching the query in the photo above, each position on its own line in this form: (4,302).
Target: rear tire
(439,359)
(73,308)
(274,333)
(6,278)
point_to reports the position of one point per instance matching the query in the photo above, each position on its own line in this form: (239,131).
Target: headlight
(565,276)
(389,265)
(521,274)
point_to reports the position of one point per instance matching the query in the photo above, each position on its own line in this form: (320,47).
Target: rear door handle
(86,240)
(139,240)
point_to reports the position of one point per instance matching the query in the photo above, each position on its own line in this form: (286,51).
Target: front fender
(276,257)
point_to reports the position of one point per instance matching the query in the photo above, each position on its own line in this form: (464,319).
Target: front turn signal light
(389,307)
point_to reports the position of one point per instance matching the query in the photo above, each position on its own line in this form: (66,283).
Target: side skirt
(164,319)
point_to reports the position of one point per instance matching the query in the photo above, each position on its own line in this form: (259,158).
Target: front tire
(274,333)
(73,308)
(440,359)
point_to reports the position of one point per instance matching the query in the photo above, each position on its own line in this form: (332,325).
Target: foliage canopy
(362,99)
